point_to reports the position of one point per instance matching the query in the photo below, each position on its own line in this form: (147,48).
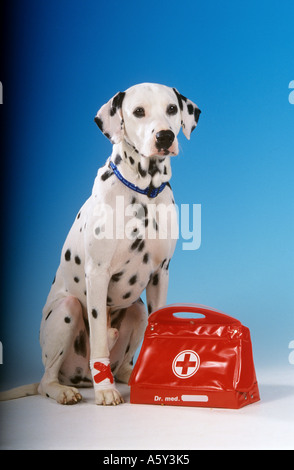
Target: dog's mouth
(162,153)
(164,149)
(156,150)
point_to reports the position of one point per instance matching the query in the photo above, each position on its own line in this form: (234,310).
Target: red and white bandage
(101,373)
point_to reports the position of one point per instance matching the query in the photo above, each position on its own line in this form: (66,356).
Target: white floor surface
(39,423)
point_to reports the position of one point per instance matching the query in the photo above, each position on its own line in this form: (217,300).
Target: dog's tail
(19,392)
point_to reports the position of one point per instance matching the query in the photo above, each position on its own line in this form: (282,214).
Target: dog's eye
(139,112)
(172,109)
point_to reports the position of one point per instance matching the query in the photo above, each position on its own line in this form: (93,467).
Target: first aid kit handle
(166,314)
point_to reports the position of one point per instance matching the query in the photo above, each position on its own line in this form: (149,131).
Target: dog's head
(149,117)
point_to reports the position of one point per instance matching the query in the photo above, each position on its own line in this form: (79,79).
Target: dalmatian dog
(94,319)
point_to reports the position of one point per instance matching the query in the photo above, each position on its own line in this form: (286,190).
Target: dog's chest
(145,243)
(123,235)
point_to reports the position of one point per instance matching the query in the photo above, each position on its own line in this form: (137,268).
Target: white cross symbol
(186,364)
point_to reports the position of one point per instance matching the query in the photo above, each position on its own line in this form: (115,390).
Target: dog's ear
(190,114)
(109,118)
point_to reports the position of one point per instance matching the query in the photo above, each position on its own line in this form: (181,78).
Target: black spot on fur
(116,277)
(99,123)
(179,97)
(76,379)
(141,246)
(134,232)
(94,313)
(67,255)
(133,280)
(149,308)
(138,244)
(48,315)
(118,99)
(153,168)
(117,102)
(146,258)
(190,108)
(80,344)
(76,279)
(106,175)
(86,322)
(77,260)
(155,279)
(142,172)
(142,211)
(135,244)
(163,262)
(127,295)
(197,114)
(117,159)
(67,319)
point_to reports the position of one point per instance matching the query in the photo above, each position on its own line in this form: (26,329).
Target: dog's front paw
(105,391)
(109,396)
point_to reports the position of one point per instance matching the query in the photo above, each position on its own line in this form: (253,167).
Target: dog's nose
(164,139)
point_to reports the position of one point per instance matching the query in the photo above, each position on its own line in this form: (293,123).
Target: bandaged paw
(101,373)
(105,391)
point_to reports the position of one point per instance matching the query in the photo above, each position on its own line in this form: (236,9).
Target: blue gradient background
(63,60)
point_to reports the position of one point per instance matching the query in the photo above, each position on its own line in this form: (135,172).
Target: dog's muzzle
(164,139)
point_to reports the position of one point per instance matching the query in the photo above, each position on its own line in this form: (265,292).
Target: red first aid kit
(187,361)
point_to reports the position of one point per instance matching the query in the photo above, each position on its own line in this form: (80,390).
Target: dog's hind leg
(58,331)
(131,323)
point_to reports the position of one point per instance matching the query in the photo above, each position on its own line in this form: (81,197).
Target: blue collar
(149,191)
